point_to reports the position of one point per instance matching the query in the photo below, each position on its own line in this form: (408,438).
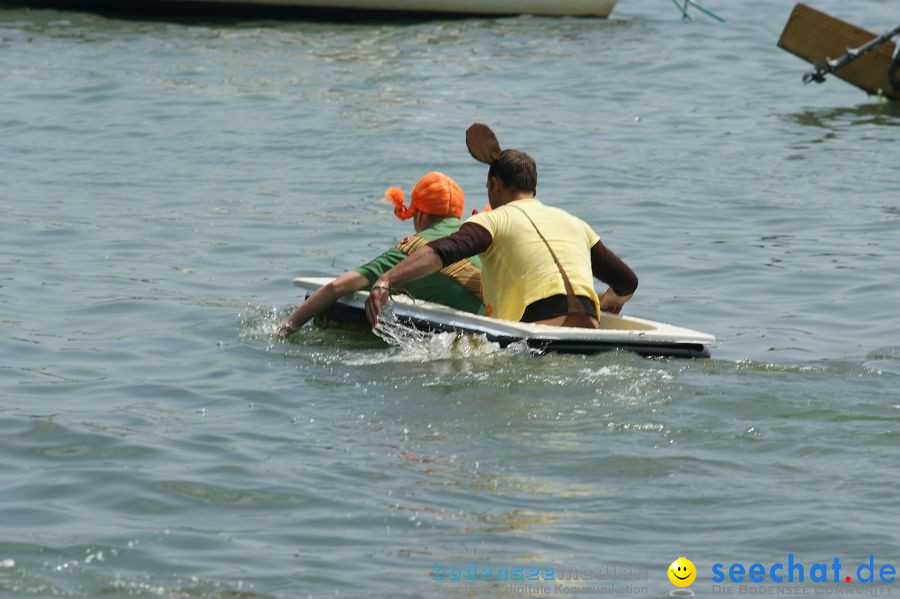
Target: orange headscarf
(435,194)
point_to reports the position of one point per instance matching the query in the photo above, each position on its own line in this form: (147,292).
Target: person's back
(518,267)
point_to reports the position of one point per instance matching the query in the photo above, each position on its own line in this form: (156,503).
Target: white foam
(260,321)
(411,344)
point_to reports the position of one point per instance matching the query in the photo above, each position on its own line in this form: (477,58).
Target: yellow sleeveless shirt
(517,269)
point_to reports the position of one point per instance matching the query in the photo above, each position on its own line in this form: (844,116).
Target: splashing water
(260,321)
(407,344)
(422,346)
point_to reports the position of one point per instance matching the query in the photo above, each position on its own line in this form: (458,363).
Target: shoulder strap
(576,315)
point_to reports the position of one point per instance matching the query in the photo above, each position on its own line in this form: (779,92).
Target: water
(163,181)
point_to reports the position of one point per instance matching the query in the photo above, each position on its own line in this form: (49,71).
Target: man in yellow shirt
(538,261)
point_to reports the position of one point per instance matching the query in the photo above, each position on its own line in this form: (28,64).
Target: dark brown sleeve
(471,239)
(610,269)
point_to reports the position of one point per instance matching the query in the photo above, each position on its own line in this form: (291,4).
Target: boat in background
(349,8)
(643,337)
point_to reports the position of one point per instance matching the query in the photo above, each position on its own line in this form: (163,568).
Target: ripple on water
(168,179)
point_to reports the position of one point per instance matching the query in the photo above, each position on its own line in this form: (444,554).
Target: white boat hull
(595,8)
(645,337)
(586,8)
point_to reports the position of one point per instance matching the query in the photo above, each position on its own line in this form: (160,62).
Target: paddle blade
(815,37)
(482,143)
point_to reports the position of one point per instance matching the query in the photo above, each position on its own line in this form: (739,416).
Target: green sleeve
(380,265)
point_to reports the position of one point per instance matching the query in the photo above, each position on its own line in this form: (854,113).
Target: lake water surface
(163,181)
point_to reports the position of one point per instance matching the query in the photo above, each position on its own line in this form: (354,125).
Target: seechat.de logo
(682,573)
(796,571)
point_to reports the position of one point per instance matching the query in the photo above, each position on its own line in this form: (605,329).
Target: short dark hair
(516,169)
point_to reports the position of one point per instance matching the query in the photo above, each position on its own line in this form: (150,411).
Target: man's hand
(612,303)
(415,266)
(378,297)
(285,329)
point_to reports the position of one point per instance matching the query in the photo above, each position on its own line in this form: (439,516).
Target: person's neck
(513,197)
(429,221)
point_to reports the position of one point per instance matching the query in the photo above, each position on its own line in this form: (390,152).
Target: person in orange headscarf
(436,206)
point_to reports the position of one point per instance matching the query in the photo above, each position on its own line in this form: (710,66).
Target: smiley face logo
(682,572)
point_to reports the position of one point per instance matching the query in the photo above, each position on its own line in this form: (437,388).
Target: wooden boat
(644,337)
(585,8)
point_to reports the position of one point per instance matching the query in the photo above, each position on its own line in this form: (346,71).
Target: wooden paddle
(860,57)
(482,143)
